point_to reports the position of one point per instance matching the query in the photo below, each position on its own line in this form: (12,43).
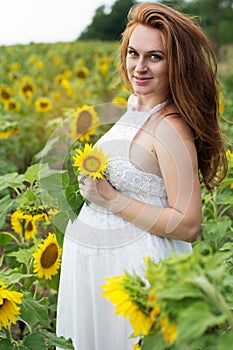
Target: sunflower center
(81,74)
(43,105)
(5,95)
(49,256)
(27,88)
(91,164)
(83,122)
(12,106)
(29,226)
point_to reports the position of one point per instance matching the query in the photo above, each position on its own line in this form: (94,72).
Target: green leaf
(6,205)
(5,344)
(10,247)
(194,320)
(32,173)
(10,277)
(6,237)
(153,342)
(13,180)
(23,256)
(35,341)
(226,341)
(181,290)
(33,312)
(60,221)
(60,342)
(55,184)
(73,197)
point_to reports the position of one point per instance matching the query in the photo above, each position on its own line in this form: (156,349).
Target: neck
(145,102)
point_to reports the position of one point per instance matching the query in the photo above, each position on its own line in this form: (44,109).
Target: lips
(141,80)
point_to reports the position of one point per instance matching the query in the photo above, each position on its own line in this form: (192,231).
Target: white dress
(100,244)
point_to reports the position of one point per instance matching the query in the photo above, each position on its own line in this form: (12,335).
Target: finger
(81,179)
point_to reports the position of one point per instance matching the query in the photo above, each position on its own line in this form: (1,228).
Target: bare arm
(178,163)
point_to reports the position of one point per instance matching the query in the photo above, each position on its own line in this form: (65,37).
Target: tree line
(215,16)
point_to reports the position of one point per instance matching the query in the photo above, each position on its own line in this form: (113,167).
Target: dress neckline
(141,109)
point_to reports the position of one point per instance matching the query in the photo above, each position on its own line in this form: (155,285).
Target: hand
(99,192)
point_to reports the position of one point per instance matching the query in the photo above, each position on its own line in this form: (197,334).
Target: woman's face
(146,64)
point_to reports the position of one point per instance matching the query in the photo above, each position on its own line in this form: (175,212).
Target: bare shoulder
(174,134)
(170,120)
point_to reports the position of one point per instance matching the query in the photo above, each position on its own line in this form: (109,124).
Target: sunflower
(103,65)
(67,86)
(91,161)
(40,65)
(27,88)
(15,67)
(81,73)
(84,123)
(11,105)
(43,104)
(23,224)
(46,258)
(58,79)
(8,306)
(56,95)
(118,295)
(5,93)
(51,213)
(8,133)
(32,59)
(169,331)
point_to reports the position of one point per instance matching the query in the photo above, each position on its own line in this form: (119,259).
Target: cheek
(129,65)
(162,72)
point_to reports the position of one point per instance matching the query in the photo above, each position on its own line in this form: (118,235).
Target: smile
(141,79)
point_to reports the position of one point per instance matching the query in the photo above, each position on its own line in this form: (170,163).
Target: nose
(141,65)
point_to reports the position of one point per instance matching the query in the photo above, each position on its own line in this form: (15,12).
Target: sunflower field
(54,99)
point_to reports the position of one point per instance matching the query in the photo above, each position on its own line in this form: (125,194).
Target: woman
(163,147)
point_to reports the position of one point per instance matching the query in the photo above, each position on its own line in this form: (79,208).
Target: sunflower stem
(8,334)
(35,292)
(28,326)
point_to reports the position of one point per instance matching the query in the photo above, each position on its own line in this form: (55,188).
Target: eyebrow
(151,51)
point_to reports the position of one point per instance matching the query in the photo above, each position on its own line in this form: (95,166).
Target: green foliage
(194,293)
(108,26)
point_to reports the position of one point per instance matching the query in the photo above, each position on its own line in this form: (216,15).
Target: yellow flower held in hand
(46,259)
(91,161)
(8,308)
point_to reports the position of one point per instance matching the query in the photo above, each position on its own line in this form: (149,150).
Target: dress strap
(159,107)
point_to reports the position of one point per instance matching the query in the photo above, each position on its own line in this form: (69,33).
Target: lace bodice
(120,172)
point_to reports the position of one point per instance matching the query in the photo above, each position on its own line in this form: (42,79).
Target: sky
(45,21)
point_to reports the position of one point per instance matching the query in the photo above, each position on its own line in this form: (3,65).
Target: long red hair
(194,88)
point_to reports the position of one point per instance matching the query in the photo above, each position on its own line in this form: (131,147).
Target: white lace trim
(122,174)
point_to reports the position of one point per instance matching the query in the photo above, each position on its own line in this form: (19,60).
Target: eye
(132,53)
(155,57)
